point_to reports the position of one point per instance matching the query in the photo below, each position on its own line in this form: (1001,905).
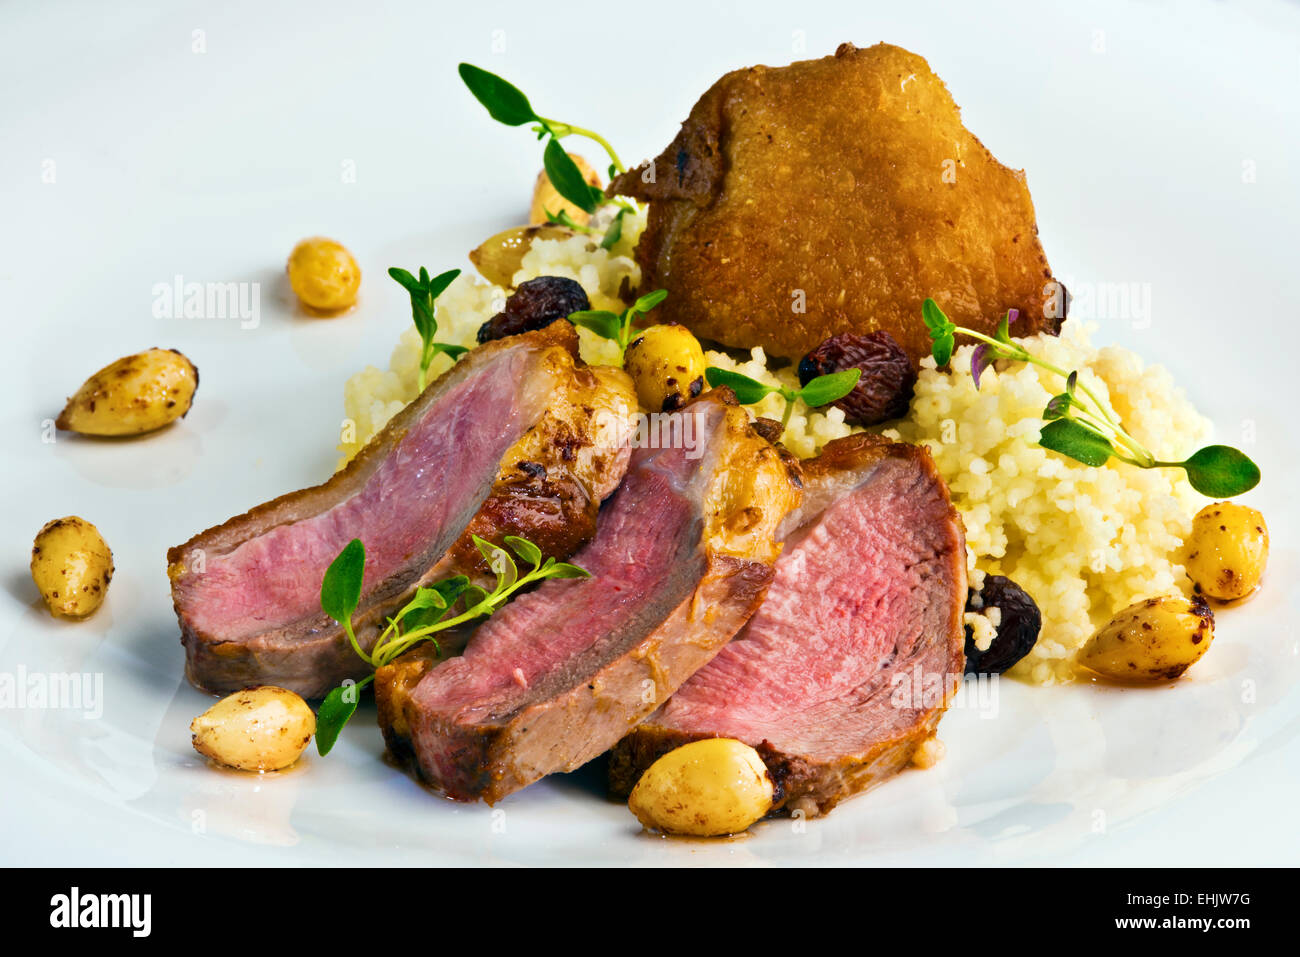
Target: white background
(1139,125)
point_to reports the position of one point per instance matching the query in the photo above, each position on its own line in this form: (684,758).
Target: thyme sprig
(613,232)
(823,390)
(1079,424)
(617,326)
(424,293)
(507,104)
(432,609)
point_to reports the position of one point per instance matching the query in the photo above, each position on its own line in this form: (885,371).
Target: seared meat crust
(546,487)
(682,558)
(849,665)
(832,196)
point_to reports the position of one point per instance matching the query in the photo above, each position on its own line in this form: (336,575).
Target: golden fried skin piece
(845,185)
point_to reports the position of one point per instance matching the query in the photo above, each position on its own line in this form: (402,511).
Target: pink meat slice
(247,593)
(560,674)
(867,600)
(406,506)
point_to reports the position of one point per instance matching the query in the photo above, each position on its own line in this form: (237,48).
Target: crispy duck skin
(835,195)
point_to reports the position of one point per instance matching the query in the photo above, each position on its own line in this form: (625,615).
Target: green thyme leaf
(615,231)
(602,322)
(1058,407)
(421,618)
(941,332)
(618,327)
(568,180)
(499,560)
(451,588)
(439,283)
(1220,471)
(934,317)
(431,603)
(427,598)
(747,390)
(829,388)
(454,351)
(505,102)
(335,712)
(942,351)
(1076,441)
(408,282)
(1003,334)
(565,570)
(340,589)
(563,218)
(649,301)
(525,549)
(421,306)
(473,596)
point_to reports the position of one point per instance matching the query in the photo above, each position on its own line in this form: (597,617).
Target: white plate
(1160,147)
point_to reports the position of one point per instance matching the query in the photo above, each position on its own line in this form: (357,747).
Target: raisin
(885,389)
(535,304)
(1017,632)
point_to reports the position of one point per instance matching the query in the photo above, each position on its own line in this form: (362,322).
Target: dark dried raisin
(533,305)
(1017,632)
(885,389)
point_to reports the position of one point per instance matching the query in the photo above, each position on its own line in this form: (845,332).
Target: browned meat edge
(752,488)
(312,656)
(733,587)
(815,788)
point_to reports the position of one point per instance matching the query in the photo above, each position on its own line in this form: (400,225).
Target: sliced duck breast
(517,438)
(682,556)
(852,658)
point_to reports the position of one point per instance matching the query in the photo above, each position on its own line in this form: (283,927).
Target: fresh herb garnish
(507,104)
(424,292)
(1079,424)
(562,218)
(430,611)
(618,325)
(568,180)
(823,390)
(340,589)
(614,231)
